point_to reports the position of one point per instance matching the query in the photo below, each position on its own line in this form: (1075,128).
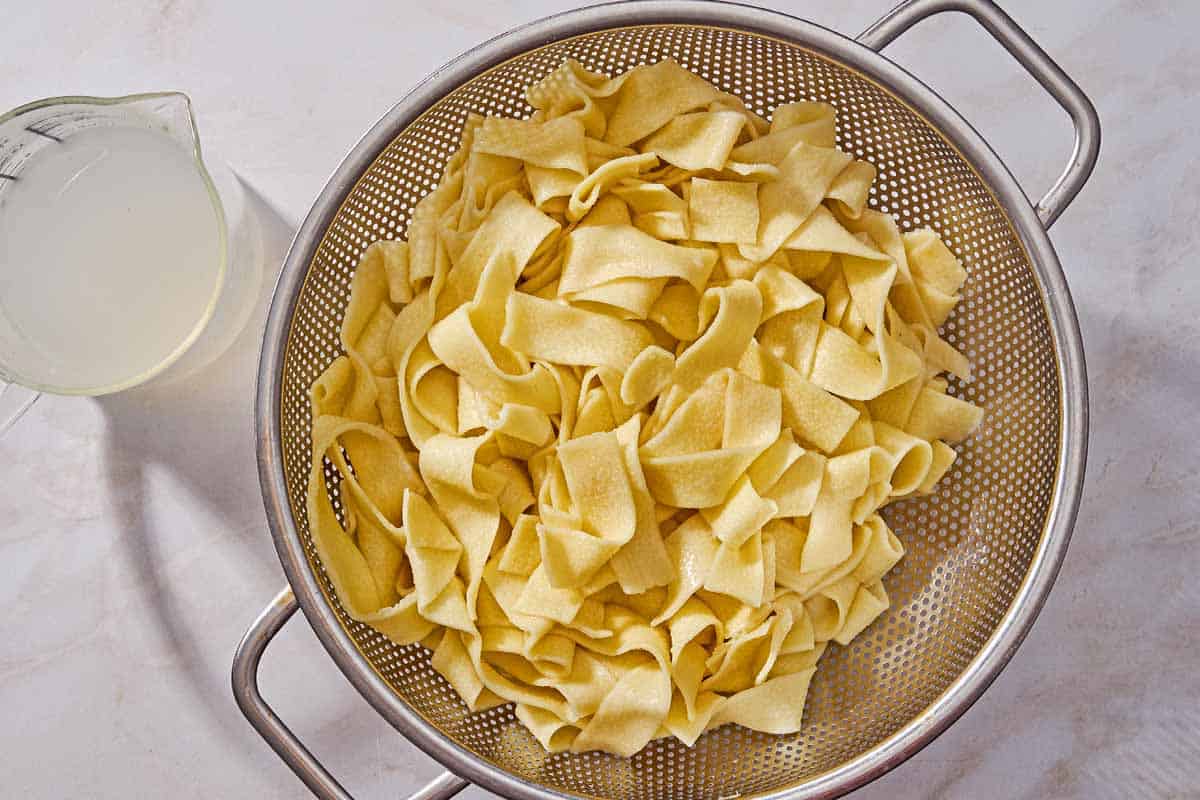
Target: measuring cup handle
(1036,62)
(15,400)
(277,734)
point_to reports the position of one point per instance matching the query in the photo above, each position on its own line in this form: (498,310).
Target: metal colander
(981,553)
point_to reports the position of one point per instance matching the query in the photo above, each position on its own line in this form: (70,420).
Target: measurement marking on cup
(51,136)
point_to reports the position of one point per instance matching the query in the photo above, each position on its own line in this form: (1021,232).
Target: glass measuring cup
(122,254)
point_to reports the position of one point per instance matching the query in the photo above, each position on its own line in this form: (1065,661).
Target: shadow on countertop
(197,428)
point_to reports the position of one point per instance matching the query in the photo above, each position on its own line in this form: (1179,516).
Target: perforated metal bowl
(982,552)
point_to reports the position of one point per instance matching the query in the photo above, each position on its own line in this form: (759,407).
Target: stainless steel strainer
(982,552)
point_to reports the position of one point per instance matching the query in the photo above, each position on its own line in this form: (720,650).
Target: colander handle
(1036,62)
(276,733)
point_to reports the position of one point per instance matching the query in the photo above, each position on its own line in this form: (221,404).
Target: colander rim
(1064,328)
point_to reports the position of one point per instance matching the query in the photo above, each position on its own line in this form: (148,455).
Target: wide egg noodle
(723,211)
(697,141)
(554,144)
(612,429)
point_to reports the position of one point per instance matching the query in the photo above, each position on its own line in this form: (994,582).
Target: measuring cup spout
(173,111)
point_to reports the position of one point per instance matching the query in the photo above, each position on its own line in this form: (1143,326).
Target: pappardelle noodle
(614,425)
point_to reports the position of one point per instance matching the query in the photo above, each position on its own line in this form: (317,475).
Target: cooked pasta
(613,427)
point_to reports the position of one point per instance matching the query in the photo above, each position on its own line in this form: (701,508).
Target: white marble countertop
(134,551)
